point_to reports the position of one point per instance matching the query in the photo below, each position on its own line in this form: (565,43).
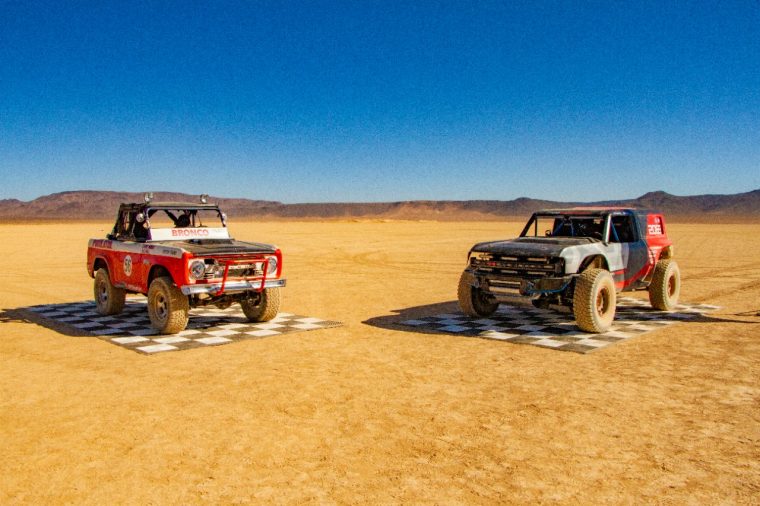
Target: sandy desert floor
(370,414)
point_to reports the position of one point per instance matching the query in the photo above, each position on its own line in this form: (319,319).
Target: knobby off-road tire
(665,286)
(594,300)
(473,301)
(263,308)
(168,308)
(108,298)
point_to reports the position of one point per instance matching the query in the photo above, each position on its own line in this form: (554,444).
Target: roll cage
(133,220)
(615,226)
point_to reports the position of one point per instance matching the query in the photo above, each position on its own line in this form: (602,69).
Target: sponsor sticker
(128,265)
(101,243)
(654,229)
(183,234)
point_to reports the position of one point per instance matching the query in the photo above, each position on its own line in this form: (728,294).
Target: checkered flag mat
(557,330)
(208,326)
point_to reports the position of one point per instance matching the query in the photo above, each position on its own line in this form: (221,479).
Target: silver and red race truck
(181,256)
(575,258)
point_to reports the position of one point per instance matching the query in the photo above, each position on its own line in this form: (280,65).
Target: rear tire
(168,308)
(666,285)
(108,298)
(594,300)
(264,307)
(473,301)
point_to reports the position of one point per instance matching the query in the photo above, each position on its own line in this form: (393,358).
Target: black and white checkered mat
(208,326)
(557,330)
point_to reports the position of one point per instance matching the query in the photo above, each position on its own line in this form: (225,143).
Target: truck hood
(530,246)
(202,247)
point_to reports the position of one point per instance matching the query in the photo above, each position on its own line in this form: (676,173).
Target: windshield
(564,226)
(182,218)
(166,224)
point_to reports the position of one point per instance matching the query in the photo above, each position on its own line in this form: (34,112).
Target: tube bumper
(232,286)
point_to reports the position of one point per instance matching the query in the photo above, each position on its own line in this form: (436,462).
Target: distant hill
(103,205)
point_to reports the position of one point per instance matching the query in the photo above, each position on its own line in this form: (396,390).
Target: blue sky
(380,100)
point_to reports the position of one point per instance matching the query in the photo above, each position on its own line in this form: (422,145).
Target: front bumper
(545,286)
(232,286)
(501,285)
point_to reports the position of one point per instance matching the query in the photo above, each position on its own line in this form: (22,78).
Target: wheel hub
(161,307)
(671,286)
(102,293)
(602,302)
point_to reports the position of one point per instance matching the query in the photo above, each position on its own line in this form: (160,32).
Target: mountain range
(91,205)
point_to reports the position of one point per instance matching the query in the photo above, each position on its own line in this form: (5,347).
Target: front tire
(473,301)
(108,298)
(665,286)
(168,308)
(594,300)
(264,307)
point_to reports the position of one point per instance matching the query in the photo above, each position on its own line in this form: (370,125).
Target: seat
(183,221)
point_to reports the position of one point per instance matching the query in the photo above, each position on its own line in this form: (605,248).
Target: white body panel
(615,253)
(183,234)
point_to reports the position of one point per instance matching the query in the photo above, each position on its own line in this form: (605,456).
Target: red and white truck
(181,256)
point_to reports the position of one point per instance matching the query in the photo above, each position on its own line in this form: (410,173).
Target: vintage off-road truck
(578,259)
(181,256)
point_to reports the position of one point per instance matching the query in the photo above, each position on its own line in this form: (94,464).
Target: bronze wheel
(594,300)
(665,287)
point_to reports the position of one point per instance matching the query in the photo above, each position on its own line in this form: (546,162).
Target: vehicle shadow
(25,315)
(395,321)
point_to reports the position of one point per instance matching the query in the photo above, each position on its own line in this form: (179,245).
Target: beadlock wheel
(665,287)
(594,300)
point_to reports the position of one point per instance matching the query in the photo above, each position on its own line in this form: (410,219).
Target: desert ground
(368,413)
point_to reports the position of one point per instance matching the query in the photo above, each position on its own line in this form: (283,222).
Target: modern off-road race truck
(576,258)
(181,256)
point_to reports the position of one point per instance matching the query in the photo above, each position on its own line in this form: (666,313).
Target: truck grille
(509,275)
(237,271)
(520,267)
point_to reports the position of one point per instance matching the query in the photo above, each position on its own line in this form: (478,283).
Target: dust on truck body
(577,258)
(180,255)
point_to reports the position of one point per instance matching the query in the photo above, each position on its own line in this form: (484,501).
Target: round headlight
(271,265)
(197,269)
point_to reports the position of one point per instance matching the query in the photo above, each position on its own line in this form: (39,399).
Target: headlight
(271,265)
(197,269)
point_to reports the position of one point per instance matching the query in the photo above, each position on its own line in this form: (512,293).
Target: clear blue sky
(319,101)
